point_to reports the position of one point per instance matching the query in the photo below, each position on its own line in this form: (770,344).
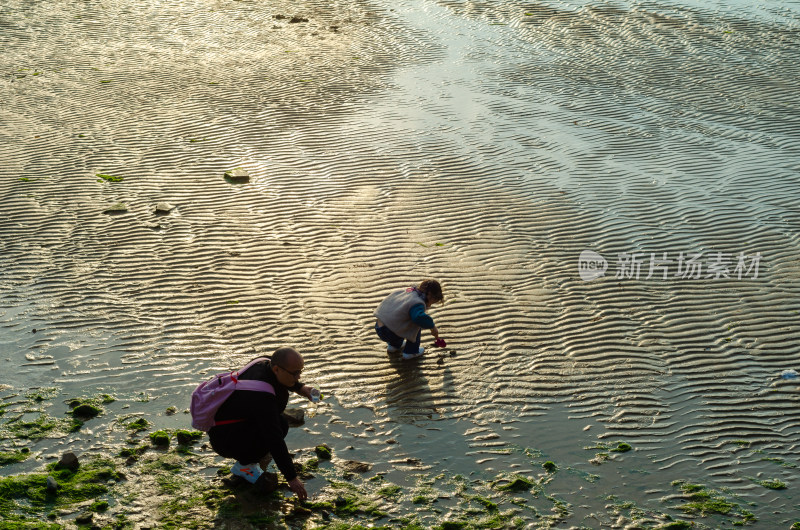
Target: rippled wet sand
(483,144)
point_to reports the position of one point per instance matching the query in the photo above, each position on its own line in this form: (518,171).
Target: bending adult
(250,425)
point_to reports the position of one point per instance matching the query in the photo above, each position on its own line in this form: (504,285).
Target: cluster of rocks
(236,175)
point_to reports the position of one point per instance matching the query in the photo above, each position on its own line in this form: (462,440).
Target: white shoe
(249,472)
(392,349)
(407,356)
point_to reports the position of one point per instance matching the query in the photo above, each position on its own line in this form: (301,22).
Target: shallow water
(481,143)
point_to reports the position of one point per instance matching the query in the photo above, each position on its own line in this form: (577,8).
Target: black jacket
(262,414)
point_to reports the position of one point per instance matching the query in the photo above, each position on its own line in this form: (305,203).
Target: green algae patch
(498,520)
(706,506)
(13,457)
(97,470)
(164,471)
(41,427)
(516,483)
(424,494)
(705,501)
(390,491)
(532,453)
(602,456)
(316,506)
(192,503)
(42,394)
(349,500)
(28,493)
(169,484)
(108,178)
(75,425)
(26,419)
(306,470)
(645,517)
(164,462)
(86,410)
(133,453)
(622,447)
(487,505)
(160,438)
(138,425)
(323,452)
(143,397)
(19,522)
(98,506)
(185,437)
(550,467)
(452,525)
(773,484)
(780,461)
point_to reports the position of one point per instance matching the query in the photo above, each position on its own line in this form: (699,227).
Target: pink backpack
(210,395)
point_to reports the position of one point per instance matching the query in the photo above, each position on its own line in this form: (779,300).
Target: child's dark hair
(432,290)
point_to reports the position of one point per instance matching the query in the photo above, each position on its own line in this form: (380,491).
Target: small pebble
(163,208)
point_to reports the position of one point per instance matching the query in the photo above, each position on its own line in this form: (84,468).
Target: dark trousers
(395,341)
(238,441)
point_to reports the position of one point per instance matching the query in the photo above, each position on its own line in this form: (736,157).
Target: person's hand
(299,489)
(435,332)
(305,391)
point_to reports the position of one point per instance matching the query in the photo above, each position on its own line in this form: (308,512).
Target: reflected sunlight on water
(484,144)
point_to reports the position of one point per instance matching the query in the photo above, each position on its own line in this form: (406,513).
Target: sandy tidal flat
(487,145)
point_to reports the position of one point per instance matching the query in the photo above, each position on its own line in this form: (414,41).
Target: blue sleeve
(420,317)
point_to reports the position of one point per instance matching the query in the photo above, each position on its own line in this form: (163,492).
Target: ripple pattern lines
(484,144)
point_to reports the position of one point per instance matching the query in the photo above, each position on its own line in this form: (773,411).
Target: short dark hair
(432,290)
(282,355)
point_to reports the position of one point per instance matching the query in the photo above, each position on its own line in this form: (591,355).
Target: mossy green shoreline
(169,478)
